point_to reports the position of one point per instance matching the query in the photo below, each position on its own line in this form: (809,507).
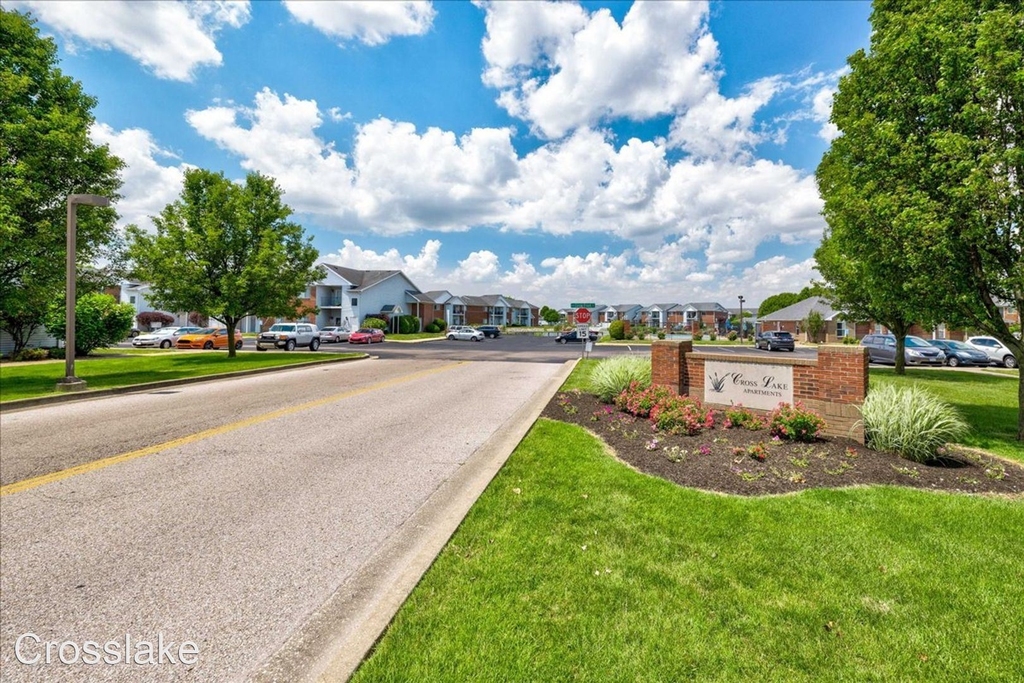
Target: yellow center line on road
(34,482)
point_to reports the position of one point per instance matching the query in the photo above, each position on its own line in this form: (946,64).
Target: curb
(336,638)
(25,403)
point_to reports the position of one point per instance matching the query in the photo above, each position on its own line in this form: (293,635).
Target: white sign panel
(583,331)
(755,386)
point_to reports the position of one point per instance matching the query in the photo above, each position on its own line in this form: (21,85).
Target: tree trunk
(231,323)
(1020,403)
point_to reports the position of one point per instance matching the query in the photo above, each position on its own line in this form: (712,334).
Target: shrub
(617,329)
(613,376)
(197,319)
(738,416)
(374,323)
(147,318)
(432,328)
(638,400)
(910,422)
(850,339)
(55,353)
(30,353)
(408,324)
(661,334)
(713,336)
(697,336)
(99,321)
(631,335)
(795,423)
(440,324)
(641,335)
(733,336)
(682,415)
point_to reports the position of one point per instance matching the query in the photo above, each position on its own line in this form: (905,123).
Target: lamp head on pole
(89,199)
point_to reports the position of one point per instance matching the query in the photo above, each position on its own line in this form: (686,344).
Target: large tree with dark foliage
(923,188)
(45,155)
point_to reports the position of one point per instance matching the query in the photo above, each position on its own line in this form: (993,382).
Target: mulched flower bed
(724,460)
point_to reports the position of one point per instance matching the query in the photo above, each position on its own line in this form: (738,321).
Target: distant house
(704,314)
(347,296)
(443,305)
(489,309)
(522,313)
(658,315)
(627,312)
(136,294)
(793,319)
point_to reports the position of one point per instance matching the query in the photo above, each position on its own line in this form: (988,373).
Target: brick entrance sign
(834,385)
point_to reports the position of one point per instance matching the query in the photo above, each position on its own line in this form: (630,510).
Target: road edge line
(337,637)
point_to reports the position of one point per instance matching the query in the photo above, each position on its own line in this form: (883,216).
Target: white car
(163,337)
(464,333)
(995,350)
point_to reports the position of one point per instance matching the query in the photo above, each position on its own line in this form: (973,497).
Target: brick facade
(834,385)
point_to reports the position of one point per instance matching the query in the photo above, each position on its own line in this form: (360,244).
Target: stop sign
(582,315)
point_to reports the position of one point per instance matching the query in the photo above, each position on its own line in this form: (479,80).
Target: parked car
(366,335)
(959,353)
(492,331)
(463,333)
(771,340)
(163,337)
(289,335)
(995,350)
(208,338)
(570,336)
(333,334)
(882,349)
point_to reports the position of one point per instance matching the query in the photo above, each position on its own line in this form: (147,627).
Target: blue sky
(616,152)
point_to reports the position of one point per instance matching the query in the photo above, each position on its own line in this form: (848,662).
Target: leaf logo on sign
(718,383)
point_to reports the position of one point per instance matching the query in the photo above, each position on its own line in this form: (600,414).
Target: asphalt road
(236,510)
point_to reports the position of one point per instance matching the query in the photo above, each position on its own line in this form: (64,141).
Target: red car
(365,335)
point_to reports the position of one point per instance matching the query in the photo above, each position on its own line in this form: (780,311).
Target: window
(355,301)
(131,299)
(840,329)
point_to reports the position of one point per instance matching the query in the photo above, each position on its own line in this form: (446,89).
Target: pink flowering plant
(795,423)
(739,417)
(638,400)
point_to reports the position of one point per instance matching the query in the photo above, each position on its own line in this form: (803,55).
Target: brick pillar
(842,383)
(668,364)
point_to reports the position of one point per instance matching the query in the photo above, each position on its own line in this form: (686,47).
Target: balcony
(330,302)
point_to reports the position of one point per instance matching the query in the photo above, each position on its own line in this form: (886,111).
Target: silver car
(333,334)
(995,350)
(464,333)
(882,349)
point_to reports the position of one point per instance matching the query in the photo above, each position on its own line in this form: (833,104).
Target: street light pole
(741,316)
(70,382)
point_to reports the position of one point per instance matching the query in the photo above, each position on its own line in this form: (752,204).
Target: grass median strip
(572,566)
(31,380)
(35,482)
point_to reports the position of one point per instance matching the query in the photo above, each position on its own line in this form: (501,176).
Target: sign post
(582,318)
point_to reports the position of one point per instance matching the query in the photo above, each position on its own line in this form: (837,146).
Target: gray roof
(801,309)
(624,308)
(663,307)
(362,279)
(705,306)
(419,297)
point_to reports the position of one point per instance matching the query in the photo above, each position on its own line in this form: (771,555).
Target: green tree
(226,251)
(45,155)
(931,155)
(814,323)
(99,321)
(617,329)
(776,302)
(549,315)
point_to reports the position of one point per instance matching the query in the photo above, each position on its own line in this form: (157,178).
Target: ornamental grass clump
(613,376)
(910,422)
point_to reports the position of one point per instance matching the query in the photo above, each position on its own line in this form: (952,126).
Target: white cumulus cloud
(416,266)
(172,39)
(147,185)
(560,68)
(372,23)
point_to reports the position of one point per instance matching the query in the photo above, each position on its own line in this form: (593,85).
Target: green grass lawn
(988,401)
(572,566)
(131,366)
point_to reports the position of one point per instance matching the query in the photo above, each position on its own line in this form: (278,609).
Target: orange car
(208,338)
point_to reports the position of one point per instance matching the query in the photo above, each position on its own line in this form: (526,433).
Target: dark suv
(775,340)
(490,331)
